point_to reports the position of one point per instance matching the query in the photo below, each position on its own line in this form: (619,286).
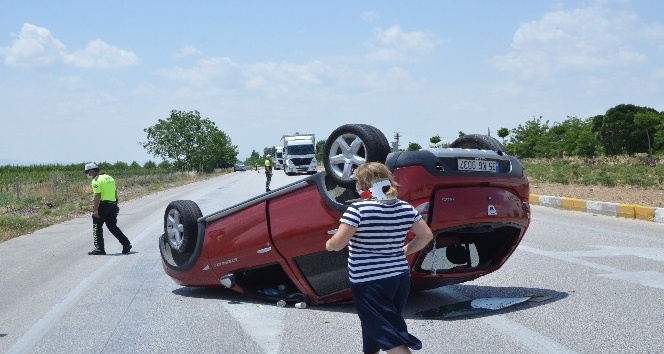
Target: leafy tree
(190,142)
(320,146)
(648,121)
(254,159)
(414,146)
(658,136)
(270,150)
(434,140)
(218,152)
(503,133)
(577,137)
(554,140)
(461,134)
(586,144)
(165,165)
(528,140)
(150,165)
(120,165)
(135,166)
(617,131)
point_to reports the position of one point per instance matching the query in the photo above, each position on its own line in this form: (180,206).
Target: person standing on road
(105,210)
(375,230)
(268,171)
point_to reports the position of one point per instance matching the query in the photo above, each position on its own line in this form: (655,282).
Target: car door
(301,222)
(240,240)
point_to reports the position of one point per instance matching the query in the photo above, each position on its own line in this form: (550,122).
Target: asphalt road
(603,277)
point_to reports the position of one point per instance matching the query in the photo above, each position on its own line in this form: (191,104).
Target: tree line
(625,129)
(187,141)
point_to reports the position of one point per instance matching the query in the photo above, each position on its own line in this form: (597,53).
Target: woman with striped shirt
(375,229)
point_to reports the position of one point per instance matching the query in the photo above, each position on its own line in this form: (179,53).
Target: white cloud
(210,71)
(285,77)
(592,38)
(393,44)
(99,55)
(369,16)
(274,79)
(187,51)
(35,46)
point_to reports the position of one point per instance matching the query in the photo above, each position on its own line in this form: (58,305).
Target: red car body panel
(241,241)
(277,240)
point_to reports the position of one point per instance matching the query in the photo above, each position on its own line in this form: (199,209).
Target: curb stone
(629,211)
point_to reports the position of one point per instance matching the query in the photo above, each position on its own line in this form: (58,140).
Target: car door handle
(332,232)
(264,250)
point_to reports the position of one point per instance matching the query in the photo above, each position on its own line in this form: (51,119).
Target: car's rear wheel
(478,141)
(180,225)
(350,146)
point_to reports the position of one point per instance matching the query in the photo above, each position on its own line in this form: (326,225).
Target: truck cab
(279,158)
(299,154)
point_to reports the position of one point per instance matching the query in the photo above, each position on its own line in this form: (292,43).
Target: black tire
(478,141)
(181,225)
(349,146)
(381,136)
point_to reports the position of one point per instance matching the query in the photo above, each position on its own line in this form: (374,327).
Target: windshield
(300,149)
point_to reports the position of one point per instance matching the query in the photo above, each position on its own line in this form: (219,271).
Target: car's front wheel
(350,146)
(180,225)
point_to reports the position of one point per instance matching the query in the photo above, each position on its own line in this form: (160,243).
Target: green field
(602,171)
(33,197)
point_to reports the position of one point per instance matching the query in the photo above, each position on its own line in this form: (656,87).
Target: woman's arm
(340,238)
(423,236)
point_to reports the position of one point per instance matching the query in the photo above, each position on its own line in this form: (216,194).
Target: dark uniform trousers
(267,181)
(108,214)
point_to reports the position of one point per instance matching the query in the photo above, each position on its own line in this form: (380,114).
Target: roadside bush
(605,171)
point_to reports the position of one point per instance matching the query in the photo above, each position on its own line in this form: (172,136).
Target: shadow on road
(449,303)
(459,302)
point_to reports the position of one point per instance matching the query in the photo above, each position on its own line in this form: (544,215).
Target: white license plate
(477,165)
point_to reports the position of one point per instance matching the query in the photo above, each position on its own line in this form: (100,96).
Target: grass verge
(44,209)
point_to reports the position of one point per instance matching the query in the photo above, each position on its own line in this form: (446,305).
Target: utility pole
(395,145)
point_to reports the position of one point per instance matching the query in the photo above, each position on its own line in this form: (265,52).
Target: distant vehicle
(279,158)
(239,167)
(299,154)
(472,195)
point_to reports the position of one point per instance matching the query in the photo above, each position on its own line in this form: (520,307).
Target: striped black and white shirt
(375,250)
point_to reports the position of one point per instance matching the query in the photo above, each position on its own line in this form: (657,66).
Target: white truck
(299,153)
(279,158)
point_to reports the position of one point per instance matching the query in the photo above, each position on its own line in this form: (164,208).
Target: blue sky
(80,80)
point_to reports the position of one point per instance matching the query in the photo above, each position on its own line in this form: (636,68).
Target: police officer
(268,171)
(105,210)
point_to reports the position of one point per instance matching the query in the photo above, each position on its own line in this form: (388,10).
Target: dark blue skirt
(379,304)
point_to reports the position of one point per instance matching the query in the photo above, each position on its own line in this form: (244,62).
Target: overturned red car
(473,196)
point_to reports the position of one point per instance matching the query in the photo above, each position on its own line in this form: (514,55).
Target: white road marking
(651,279)
(40,329)
(655,254)
(263,323)
(535,341)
